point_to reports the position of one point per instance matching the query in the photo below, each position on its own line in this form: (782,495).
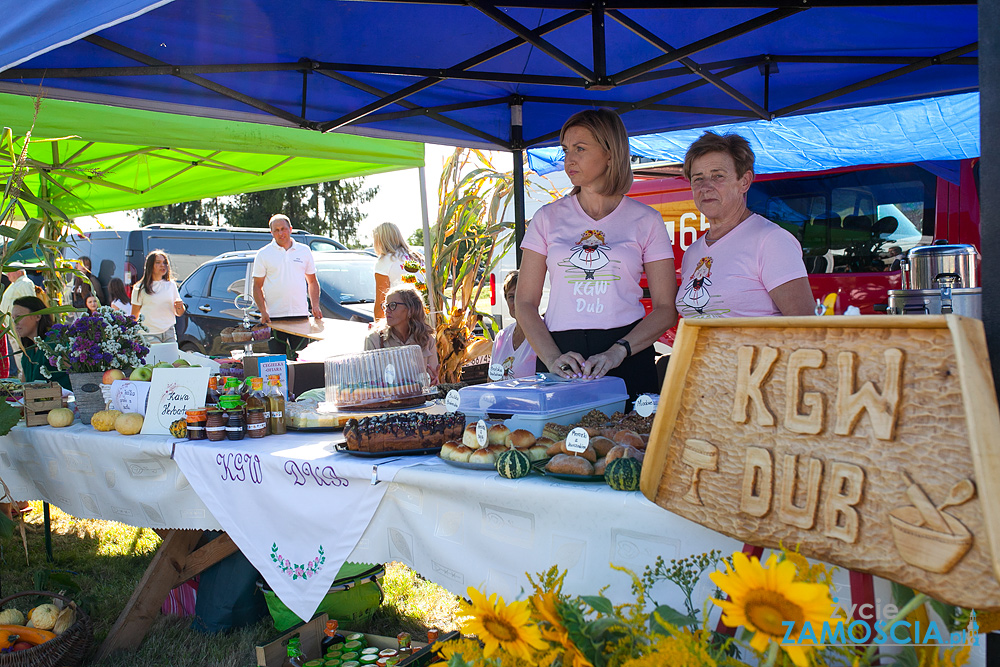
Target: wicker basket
(66,650)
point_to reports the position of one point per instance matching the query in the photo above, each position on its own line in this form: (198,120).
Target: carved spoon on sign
(962,492)
(928,512)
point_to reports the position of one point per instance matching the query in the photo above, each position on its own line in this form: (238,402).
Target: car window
(323,246)
(189,251)
(225,276)
(347,282)
(196,282)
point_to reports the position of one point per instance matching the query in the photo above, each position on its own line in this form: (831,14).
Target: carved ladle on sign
(961,492)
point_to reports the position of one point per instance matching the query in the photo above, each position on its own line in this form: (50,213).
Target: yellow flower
(554,632)
(765,598)
(682,649)
(467,649)
(500,625)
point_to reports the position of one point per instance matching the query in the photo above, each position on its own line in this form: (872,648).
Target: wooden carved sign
(872,442)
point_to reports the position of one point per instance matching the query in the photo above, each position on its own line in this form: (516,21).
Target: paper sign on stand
(129,396)
(260,365)
(172,392)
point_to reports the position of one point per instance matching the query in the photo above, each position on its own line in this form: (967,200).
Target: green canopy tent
(114,159)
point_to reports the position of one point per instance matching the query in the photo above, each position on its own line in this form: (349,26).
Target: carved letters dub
(861,439)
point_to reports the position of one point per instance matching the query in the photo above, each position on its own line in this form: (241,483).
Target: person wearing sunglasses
(405,323)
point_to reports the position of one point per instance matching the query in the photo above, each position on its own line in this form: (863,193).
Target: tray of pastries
(468,454)
(391,377)
(401,433)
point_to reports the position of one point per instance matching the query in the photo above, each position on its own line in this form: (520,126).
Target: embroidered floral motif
(298,570)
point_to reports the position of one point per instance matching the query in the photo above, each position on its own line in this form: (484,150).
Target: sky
(398,199)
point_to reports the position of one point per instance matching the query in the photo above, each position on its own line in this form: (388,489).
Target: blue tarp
(454,72)
(943,128)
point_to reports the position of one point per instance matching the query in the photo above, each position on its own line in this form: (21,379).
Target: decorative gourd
(513,464)
(11,634)
(44,616)
(179,428)
(11,617)
(623,474)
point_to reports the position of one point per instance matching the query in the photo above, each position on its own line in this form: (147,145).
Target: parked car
(347,292)
(121,253)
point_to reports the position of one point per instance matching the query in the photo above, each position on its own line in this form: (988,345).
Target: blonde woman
(390,269)
(406,324)
(156,298)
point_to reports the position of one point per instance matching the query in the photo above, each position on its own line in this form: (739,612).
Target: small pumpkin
(623,474)
(513,464)
(179,428)
(11,617)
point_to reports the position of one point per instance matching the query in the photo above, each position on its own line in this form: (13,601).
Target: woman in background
(511,349)
(156,298)
(28,326)
(406,324)
(92,304)
(390,269)
(84,286)
(118,297)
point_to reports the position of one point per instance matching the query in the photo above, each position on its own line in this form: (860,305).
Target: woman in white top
(118,296)
(156,298)
(511,349)
(391,268)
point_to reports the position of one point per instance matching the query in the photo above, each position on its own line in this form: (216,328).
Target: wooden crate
(39,399)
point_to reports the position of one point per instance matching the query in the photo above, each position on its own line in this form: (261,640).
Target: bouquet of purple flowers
(107,339)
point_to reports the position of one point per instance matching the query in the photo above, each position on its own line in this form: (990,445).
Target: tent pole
(989,198)
(428,273)
(517,141)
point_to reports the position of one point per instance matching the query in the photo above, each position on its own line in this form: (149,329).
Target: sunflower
(764,598)
(553,631)
(500,625)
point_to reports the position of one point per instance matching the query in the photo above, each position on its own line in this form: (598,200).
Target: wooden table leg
(175,561)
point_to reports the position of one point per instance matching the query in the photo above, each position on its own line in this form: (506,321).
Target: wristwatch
(628,348)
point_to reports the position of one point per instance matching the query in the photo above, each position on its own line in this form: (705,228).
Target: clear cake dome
(366,379)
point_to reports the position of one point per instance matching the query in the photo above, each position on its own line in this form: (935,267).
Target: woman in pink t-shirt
(595,245)
(745,266)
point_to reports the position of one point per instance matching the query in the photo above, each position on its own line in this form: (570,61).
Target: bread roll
(630,438)
(588,453)
(567,464)
(555,448)
(483,456)
(520,439)
(625,451)
(469,437)
(599,467)
(497,450)
(602,445)
(544,442)
(537,453)
(448,450)
(645,437)
(462,453)
(497,435)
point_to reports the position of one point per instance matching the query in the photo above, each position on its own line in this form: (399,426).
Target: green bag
(353,597)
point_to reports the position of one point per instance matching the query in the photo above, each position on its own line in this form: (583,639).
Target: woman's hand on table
(568,365)
(598,365)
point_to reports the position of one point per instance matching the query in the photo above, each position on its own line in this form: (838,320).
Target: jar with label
(196,423)
(403,640)
(236,428)
(256,424)
(215,424)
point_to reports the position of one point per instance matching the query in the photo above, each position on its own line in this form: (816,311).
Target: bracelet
(628,348)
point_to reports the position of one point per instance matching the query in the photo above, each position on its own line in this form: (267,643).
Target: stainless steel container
(967,302)
(932,266)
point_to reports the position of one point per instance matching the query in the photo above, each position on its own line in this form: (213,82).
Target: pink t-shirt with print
(732,277)
(595,265)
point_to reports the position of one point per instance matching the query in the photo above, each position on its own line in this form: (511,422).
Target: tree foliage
(329,209)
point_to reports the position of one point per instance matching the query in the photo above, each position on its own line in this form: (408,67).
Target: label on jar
(267,415)
(577,440)
(192,427)
(276,415)
(256,427)
(215,429)
(233,429)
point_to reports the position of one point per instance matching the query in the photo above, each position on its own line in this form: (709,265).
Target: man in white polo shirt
(283,273)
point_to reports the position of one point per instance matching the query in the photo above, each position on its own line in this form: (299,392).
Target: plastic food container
(376,377)
(530,403)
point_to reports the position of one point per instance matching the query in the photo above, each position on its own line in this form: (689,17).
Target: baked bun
(570,465)
(544,442)
(497,450)
(555,448)
(630,438)
(483,456)
(600,466)
(520,439)
(537,453)
(626,452)
(469,437)
(448,450)
(602,445)
(588,453)
(461,453)
(497,435)
(645,437)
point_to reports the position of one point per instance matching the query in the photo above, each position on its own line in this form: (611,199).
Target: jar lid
(196,412)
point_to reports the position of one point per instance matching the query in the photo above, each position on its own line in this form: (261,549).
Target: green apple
(181,363)
(162,364)
(142,374)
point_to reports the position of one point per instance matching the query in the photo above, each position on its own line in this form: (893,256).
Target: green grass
(106,560)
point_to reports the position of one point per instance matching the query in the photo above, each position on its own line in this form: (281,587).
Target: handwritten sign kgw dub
(872,442)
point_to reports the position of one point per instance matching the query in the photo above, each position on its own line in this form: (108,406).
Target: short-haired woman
(156,298)
(595,245)
(406,324)
(511,349)
(745,266)
(393,254)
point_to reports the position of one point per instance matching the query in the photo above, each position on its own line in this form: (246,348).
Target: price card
(390,374)
(481,433)
(577,440)
(644,405)
(452,401)
(496,372)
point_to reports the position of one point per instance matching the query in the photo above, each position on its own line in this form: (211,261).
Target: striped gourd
(623,474)
(513,463)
